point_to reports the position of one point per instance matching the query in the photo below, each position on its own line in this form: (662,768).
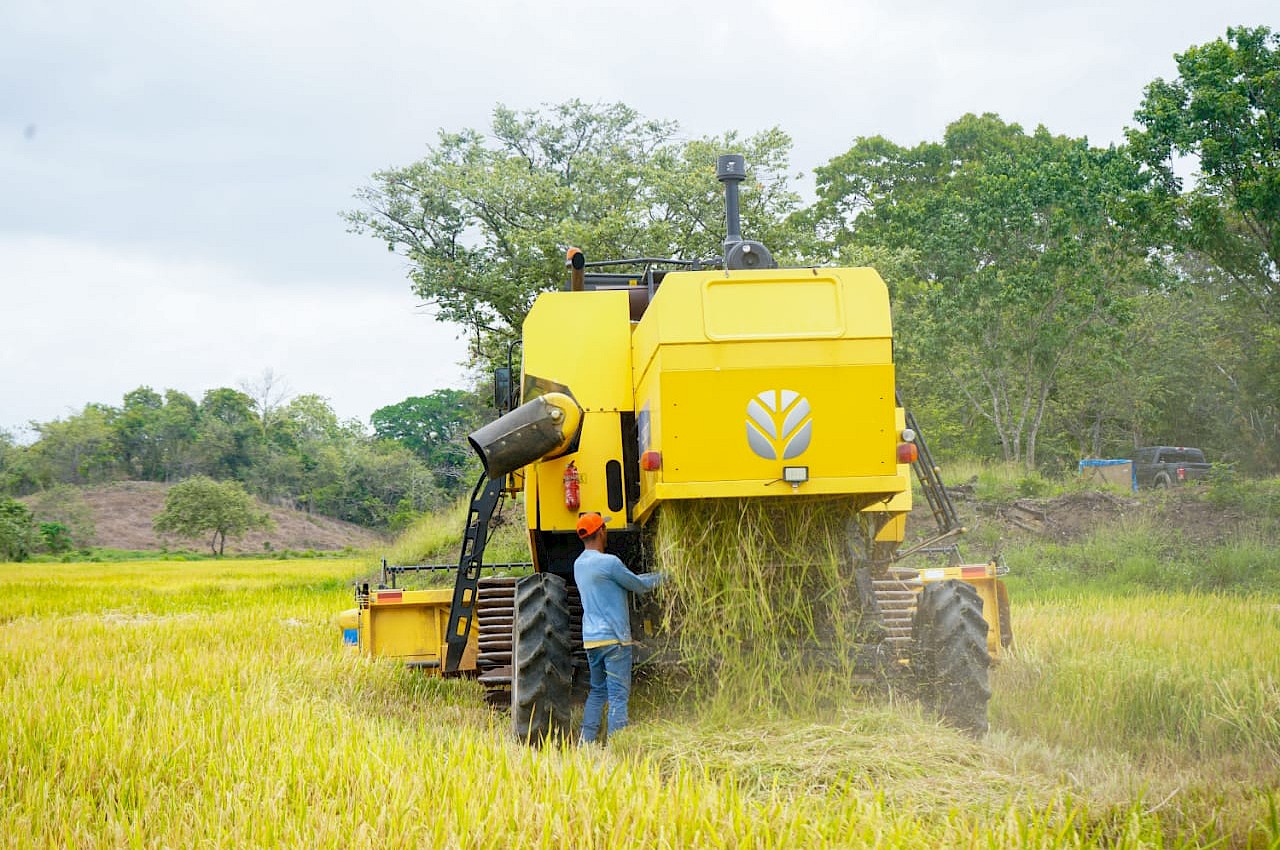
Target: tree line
(291,451)
(1052,299)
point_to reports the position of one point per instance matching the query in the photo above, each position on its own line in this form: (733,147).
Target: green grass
(1139,556)
(437,538)
(1004,482)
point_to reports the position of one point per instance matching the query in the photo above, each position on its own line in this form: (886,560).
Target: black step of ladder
(484,499)
(944,512)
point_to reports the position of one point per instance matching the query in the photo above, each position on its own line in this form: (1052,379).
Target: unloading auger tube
(545,427)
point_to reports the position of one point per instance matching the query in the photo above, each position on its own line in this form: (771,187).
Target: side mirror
(502,388)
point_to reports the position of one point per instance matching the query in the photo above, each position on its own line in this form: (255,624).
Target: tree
(228,433)
(1224,110)
(138,434)
(375,481)
(16,474)
(484,220)
(1022,266)
(178,423)
(82,449)
(200,506)
(435,427)
(16,530)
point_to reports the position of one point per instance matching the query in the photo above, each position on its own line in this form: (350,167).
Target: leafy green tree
(377,481)
(178,428)
(1223,110)
(16,474)
(485,219)
(15,530)
(1022,266)
(138,434)
(435,427)
(55,537)
(228,435)
(81,449)
(201,506)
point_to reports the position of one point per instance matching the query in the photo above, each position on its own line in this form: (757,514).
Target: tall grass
(761,592)
(212,704)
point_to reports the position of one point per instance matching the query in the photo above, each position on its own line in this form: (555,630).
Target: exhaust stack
(739,253)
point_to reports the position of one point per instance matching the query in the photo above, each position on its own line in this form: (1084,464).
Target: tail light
(907,453)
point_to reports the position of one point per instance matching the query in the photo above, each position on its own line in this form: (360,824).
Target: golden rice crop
(212,704)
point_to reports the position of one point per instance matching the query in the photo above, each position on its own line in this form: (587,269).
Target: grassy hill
(119,516)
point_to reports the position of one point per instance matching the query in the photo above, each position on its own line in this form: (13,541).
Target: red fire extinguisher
(572,495)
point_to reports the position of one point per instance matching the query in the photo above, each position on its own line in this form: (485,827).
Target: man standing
(603,581)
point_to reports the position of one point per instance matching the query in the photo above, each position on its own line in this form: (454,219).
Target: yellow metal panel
(757,354)
(531,496)
(772,308)
(410,625)
(894,530)
(708,419)
(677,312)
(865,493)
(601,442)
(581,340)
(712,342)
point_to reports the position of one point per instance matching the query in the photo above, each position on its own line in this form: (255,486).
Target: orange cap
(589,524)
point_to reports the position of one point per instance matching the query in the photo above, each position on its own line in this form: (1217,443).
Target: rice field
(211,704)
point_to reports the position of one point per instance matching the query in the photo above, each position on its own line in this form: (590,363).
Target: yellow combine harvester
(670,380)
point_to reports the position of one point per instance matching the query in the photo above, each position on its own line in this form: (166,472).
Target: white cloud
(87,323)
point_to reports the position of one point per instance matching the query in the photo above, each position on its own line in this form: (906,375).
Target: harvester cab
(651,381)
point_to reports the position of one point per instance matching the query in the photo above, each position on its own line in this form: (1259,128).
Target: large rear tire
(949,655)
(542,659)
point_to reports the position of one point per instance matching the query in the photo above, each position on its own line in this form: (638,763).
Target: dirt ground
(1068,518)
(122,513)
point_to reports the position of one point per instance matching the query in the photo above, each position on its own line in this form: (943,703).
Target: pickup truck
(1165,466)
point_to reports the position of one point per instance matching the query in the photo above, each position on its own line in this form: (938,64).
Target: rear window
(1182,456)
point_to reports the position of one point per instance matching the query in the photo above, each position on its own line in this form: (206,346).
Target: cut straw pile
(760,597)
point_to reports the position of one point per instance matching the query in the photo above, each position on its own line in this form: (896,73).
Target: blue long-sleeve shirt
(603,581)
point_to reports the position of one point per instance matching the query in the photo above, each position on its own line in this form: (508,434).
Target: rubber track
(542,662)
(949,655)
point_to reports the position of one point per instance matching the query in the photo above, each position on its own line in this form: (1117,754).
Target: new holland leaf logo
(778,424)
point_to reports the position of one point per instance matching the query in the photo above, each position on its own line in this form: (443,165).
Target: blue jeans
(611,683)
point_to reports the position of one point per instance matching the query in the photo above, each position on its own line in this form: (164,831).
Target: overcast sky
(172,171)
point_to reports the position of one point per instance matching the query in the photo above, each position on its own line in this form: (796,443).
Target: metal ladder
(944,512)
(462,612)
